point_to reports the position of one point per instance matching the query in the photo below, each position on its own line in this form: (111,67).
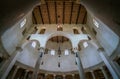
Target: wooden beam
(85,16)
(56,12)
(63,12)
(78,13)
(41,15)
(71,13)
(34,17)
(48,12)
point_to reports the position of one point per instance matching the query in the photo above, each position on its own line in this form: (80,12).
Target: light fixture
(85,44)
(33,44)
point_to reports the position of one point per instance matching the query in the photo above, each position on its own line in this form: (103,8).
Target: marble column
(46,76)
(14,73)
(54,75)
(104,73)
(73,76)
(108,63)
(79,64)
(93,75)
(37,65)
(26,72)
(5,69)
(64,77)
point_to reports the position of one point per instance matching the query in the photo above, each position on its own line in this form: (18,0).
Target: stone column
(79,64)
(37,65)
(64,77)
(108,63)
(5,69)
(73,76)
(54,76)
(45,76)
(104,73)
(14,73)
(26,72)
(93,74)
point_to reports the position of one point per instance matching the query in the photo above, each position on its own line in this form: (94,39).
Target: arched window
(75,31)
(42,31)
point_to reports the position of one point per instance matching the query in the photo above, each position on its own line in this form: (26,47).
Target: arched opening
(42,31)
(75,31)
(59,44)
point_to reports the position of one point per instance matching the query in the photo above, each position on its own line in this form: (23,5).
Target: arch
(67,35)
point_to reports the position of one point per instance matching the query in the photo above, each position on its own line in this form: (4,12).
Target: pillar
(63,76)
(5,69)
(104,73)
(26,72)
(92,72)
(79,64)
(14,73)
(108,63)
(73,76)
(45,76)
(54,76)
(37,65)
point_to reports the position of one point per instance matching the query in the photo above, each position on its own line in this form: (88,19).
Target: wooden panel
(59,12)
(74,13)
(56,14)
(52,12)
(67,12)
(82,14)
(37,15)
(44,13)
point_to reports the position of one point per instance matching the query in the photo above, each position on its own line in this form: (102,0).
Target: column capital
(19,49)
(26,70)
(101,49)
(75,49)
(73,75)
(63,75)
(41,49)
(17,67)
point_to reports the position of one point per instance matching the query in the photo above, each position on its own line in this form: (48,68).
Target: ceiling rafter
(63,12)
(78,13)
(56,11)
(84,17)
(34,17)
(71,12)
(48,12)
(41,15)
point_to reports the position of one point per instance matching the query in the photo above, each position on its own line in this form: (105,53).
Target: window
(33,44)
(52,52)
(59,28)
(96,23)
(75,31)
(85,44)
(22,23)
(42,31)
(66,52)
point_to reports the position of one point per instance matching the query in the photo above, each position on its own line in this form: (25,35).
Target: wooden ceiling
(59,12)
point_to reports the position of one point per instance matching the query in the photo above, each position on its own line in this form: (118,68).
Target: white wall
(105,36)
(12,37)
